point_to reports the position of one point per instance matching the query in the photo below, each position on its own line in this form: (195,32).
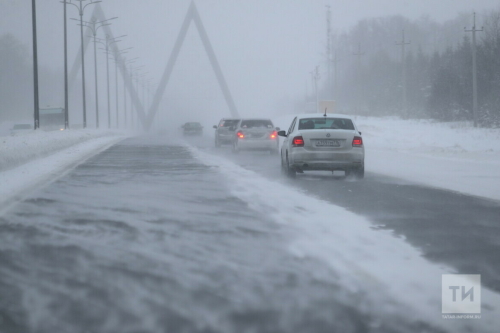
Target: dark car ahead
(224,132)
(192,128)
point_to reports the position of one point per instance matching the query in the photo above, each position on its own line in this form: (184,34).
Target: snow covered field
(452,156)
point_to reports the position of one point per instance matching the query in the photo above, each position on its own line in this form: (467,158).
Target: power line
(403,72)
(474,69)
(358,54)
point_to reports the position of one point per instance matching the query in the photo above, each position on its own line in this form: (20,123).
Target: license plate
(327,143)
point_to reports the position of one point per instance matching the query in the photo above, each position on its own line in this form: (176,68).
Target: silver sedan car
(256,134)
(324,142)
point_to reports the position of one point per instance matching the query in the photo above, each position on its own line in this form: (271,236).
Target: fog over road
(143,237)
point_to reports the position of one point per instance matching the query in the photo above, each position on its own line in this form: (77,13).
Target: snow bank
(426,136)
(389,273)
(32,159)
(21,148)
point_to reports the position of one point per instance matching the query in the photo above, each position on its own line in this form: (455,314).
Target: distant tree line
(438,66)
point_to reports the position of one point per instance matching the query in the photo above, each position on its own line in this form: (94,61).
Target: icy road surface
(150,237)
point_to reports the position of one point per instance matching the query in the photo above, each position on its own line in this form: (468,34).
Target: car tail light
(357,141)
(274,135)
(298,141)
(240,135)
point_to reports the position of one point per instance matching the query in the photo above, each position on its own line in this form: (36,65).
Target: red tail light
(274,135)
(298,141)
(357,141)
(240,135)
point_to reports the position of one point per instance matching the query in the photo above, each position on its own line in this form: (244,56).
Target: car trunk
(327,139)
(257,133)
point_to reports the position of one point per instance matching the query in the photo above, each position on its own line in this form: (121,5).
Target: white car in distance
(322,142)
(256,134)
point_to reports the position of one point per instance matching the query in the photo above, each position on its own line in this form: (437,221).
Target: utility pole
(358,54)
(35,68)
(335,61)
(403,44)
(329,48)
(315,77)
(474,70)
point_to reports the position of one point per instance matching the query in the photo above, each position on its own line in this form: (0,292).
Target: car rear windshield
(192,125)
(229,123)
(22,126)
(326,123)
(254,123)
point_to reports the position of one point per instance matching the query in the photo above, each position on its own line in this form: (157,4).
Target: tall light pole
(116,57)
(94,25)
(35,68)
(109,41)
(125,63)
(474,71)
(403,44)
(81,10)
(66,102)
(137,95)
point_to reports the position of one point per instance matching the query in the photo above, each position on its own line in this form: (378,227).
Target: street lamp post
(116,57)
(35,68)
(66,103)
(125,63)
(94,25)
(109,41)
(137,84)
(81,9)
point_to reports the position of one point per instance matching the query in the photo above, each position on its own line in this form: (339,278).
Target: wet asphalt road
(458,230)
(144,238)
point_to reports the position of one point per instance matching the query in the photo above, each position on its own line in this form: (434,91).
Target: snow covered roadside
(386,271)
(451,156)
(446,155)
(31,160)
(21,148)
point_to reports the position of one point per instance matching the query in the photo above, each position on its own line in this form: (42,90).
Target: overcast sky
(266,48)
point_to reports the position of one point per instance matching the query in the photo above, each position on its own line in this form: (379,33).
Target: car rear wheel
(236,149)
(289,170)
(360,173)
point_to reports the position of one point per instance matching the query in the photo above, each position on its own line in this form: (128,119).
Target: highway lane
(145,238)
(458,230)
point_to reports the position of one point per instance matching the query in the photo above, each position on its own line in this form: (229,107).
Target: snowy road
(459,230)
(144,237)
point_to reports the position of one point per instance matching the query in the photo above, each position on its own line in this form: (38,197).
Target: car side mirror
(282,133)
(359,132)
(215,126)
(277,128)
